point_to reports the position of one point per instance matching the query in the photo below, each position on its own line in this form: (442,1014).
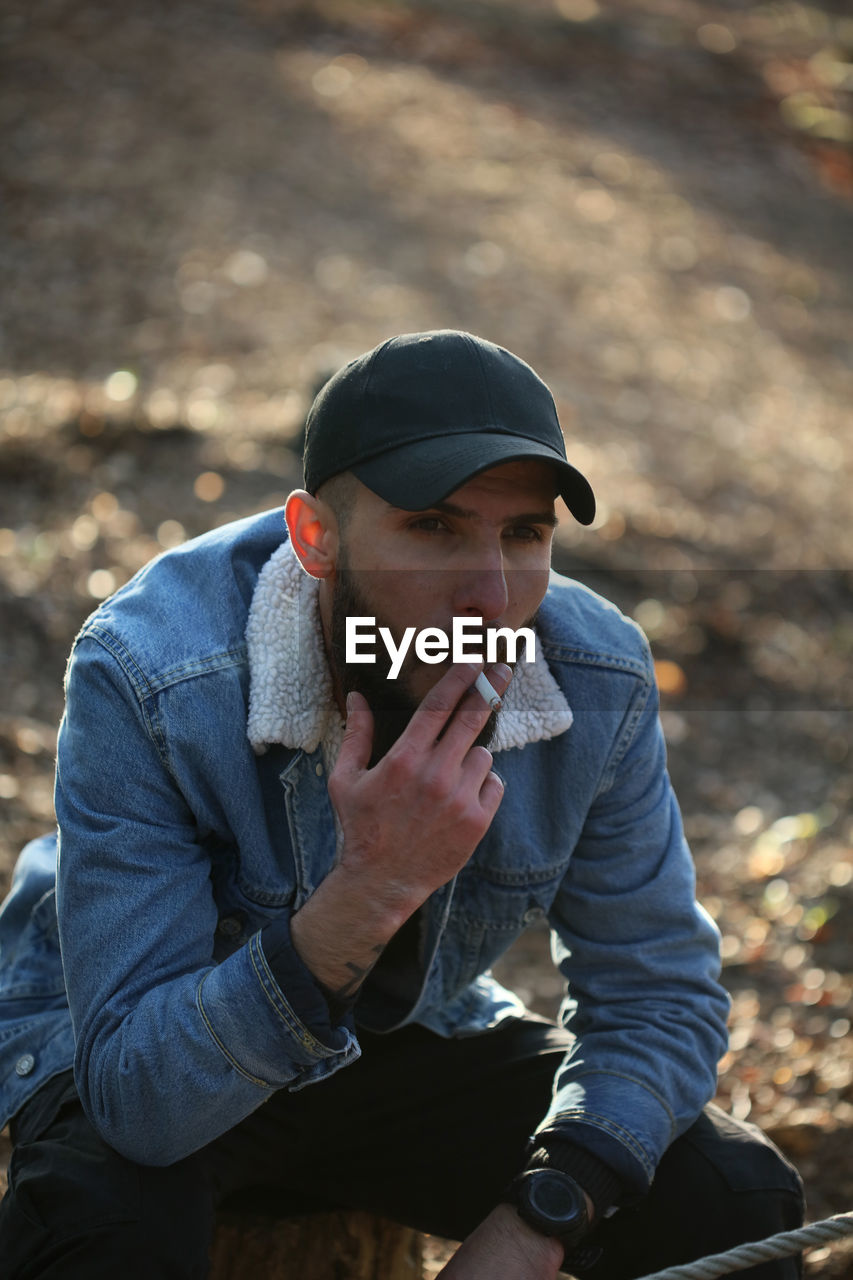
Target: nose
(481,591)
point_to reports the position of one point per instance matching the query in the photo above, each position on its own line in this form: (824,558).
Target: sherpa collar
(290,694)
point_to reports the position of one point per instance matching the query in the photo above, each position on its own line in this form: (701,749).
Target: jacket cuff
(320,1012)
(258,1025)
(597,1179)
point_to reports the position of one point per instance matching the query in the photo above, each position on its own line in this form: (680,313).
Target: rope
(748,1255)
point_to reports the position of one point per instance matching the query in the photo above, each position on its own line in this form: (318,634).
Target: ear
(313,533)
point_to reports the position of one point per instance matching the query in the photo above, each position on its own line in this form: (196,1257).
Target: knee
(730,1184)
(72,1197)
(741,1160)
(721,1184)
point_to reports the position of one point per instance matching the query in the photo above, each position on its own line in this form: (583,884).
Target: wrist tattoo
(349,989)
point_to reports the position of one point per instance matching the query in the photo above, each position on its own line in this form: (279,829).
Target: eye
(428,524)
(526,533)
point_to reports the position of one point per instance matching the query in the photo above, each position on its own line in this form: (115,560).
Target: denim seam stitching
(220,1046)
(133,673)
(282,1009)
(591,658)
(123,657)
(621,1075)
(145,686)
(634,713)
(193,670)
(610,1127)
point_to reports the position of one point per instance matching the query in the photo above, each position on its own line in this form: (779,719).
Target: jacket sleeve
(642,962)
(172,1049)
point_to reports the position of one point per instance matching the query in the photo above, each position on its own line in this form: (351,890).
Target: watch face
(555,1198)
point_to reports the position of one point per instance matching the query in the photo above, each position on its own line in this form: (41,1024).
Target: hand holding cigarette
(410,823)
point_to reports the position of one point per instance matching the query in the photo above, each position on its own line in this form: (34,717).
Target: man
(283,874)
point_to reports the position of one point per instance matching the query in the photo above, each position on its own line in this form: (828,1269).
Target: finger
(491,794)
(476,768)
(440,703)
(471,715)
(478,774)
(356,748)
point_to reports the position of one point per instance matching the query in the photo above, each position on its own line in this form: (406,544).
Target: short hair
(340,493)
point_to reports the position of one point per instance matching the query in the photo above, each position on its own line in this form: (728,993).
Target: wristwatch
(552,1203)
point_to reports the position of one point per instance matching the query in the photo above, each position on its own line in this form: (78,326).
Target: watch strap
(597,1179)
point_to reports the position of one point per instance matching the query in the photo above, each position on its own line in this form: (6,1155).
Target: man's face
(483,552)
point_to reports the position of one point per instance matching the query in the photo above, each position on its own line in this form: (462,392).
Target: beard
(391,701)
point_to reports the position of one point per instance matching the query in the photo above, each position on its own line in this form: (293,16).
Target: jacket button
(229,926)
(318,769)
(25,1064)
(532,914)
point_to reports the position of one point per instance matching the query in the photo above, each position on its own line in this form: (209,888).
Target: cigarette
(487,693)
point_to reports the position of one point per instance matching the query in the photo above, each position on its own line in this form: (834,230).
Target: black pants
(420,1129)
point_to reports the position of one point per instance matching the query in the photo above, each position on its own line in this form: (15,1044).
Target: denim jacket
(166,974)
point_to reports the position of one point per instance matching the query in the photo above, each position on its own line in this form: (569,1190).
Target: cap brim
(417,475)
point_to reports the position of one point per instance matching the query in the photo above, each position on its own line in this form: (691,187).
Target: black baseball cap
(419,415)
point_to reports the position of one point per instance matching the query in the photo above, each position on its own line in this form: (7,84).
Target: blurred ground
(210,205)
